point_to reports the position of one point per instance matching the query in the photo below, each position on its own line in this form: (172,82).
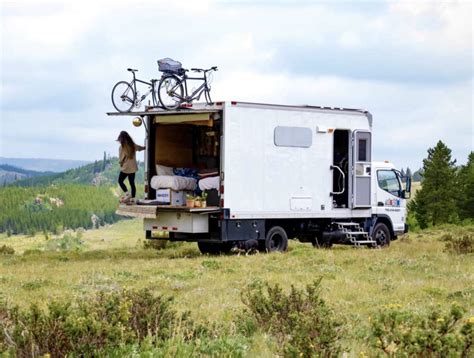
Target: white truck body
(263,180)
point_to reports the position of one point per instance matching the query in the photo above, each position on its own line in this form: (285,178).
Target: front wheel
(207,95)
(381,235)
(170,92)
(123,96)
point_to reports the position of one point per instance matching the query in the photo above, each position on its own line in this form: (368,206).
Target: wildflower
(471,320)
(440,320)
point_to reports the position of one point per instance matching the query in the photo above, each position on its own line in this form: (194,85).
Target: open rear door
(361,168)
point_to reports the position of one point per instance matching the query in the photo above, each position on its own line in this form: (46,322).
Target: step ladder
(355,234)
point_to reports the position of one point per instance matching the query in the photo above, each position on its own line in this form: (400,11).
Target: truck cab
(389,197)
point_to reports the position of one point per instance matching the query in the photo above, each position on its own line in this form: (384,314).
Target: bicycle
(125,95)
(173,87)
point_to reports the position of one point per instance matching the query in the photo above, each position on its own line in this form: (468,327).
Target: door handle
(332,167)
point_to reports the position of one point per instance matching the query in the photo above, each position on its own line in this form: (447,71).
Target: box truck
(280,172)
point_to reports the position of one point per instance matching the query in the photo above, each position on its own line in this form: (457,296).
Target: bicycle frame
(133,83)
(197,92)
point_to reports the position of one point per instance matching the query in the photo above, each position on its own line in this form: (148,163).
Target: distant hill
(97,173)
(43,165)
(10,173)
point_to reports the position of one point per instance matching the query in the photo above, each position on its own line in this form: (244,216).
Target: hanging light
(137,121)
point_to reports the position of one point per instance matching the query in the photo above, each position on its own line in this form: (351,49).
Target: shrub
(154,244)
(403,333)
(68,242)
(89,326)
(6,250)
(301,322)
(458,245)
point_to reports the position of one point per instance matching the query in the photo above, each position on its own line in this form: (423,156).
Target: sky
(410,63)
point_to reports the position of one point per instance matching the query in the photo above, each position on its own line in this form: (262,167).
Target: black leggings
(131,180)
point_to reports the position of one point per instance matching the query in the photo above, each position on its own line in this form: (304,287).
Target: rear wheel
(123,96)
(381,235)
(170,92)
(276,239)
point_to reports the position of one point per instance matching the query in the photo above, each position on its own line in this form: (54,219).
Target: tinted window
(293,137)
(388,181)
(362,150)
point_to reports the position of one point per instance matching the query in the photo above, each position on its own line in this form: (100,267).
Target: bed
(184,179)
(173,182)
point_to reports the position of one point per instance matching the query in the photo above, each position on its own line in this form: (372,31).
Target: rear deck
(152,211)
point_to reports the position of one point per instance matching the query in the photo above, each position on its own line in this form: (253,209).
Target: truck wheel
(276,239)
(381,235)
(214,248)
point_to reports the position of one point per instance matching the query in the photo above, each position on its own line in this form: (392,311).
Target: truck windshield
(388,181)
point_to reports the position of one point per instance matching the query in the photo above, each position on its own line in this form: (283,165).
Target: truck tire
(381,235)
(276,240)
(214,248)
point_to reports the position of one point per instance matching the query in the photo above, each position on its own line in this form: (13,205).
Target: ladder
(354,233)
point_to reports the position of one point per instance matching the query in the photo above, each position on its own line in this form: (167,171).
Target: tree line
(53,208)
(447,192)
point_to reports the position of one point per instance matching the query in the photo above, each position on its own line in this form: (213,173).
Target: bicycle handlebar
(214,68)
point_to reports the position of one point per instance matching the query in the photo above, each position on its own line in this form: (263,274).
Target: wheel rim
(275,242)
(170,92)
(381,237)
(123,97)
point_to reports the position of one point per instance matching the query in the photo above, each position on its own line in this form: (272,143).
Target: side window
(362,155)
(293,137)
(388,181)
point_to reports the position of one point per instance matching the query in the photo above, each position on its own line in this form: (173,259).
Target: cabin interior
(190,141)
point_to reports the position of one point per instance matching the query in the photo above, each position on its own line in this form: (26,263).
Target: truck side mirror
(408,185)
(407,192)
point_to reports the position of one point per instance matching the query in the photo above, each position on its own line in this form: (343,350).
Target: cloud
(409,63)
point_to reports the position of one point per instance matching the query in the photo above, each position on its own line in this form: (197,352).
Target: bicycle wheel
(207,96)
(170,92)
(123,96)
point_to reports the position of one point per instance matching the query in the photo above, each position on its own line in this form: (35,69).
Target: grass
(414,272)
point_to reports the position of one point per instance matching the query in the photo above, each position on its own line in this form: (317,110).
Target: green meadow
(415,273)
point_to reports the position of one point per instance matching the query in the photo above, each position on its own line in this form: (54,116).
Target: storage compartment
(179,222)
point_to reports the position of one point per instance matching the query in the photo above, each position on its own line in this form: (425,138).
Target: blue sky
(408,62)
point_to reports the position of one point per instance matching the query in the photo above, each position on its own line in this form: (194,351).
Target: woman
(128,164)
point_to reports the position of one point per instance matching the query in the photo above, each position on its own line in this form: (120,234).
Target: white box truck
(284,172)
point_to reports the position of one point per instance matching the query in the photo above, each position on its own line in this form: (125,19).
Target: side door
(389,197)
(361,169)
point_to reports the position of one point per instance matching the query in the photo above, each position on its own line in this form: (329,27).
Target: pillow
(164,170)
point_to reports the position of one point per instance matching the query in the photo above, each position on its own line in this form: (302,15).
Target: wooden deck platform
(152,211)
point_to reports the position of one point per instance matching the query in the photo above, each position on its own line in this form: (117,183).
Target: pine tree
(435,202)
(408,173)
(104,161)
(465,199)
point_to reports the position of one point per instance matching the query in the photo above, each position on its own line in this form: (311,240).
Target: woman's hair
(127,144)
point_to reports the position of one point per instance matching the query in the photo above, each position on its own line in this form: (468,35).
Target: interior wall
(174,145)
